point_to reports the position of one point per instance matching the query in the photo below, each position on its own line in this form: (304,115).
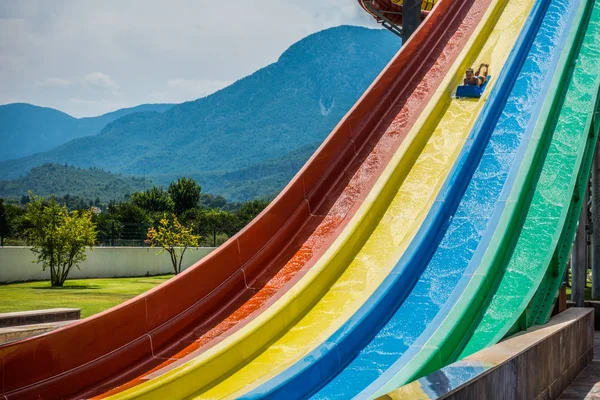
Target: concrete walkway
(587,384)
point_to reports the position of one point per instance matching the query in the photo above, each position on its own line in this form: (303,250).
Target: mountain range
(61,180)
(248,139)
(26,129)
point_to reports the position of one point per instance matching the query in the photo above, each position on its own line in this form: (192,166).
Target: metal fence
(118,234)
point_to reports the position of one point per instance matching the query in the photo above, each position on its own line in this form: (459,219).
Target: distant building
(96,210)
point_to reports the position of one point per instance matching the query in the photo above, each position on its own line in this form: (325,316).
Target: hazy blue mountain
(256,124)
(60,180)
(26,129)
(264,179)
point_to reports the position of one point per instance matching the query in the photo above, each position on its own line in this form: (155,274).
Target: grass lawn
(91,295)
(587,291)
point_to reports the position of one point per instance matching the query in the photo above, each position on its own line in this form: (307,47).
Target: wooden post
(562,299)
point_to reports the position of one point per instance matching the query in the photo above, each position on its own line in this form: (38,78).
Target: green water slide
(572,129)
(531,246)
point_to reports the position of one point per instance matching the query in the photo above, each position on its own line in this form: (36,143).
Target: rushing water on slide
(466,229)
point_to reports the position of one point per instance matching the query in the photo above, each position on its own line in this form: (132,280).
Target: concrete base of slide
(595,304)
(538,364)
(24,324)
(15,333)
(17,263)
(39,316)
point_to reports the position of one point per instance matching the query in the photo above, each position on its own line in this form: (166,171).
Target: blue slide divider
(323,363)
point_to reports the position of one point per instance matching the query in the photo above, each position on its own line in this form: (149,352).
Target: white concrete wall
(16,263)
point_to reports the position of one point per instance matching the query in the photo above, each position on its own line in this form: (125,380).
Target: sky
(89,57)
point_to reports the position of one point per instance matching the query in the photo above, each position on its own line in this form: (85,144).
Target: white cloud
(57,82)
(100,80)
(93,79)
(148,50)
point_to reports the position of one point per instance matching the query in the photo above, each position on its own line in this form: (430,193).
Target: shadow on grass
(66,287)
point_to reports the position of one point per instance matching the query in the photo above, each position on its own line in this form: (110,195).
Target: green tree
(17,221)
(249,210)
(59,238)
(214,221)
(127,222)
(210,201)
(154,199)
(4,228)
(174,238)
(185,194)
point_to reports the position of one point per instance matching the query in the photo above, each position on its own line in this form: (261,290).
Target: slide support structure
(579,264)
(411,18)
(596,225)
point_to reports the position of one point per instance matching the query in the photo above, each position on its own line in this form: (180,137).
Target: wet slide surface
(546,215)
(404,118)
(356,279)
(553,169)
(305,221)
(332,184)
(485,198)
(550,197)
(572,130)
(441,275)
(324,360)
(445,142)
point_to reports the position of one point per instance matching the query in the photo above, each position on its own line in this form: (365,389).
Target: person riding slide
(479,78)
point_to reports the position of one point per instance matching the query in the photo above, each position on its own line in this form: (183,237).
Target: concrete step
(39,316)
(15,333)
(539,364)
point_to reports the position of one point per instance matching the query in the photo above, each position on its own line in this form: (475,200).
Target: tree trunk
(65,272)
(57,281)
(173,259)
(52,275)
(181,258)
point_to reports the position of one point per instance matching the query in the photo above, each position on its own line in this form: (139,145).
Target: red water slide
(226,289)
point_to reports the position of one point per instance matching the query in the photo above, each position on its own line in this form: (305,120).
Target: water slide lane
(510,141)
(454,125)
(357,282)
(570,122)
(327,359)
(285,240)
(545,216)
